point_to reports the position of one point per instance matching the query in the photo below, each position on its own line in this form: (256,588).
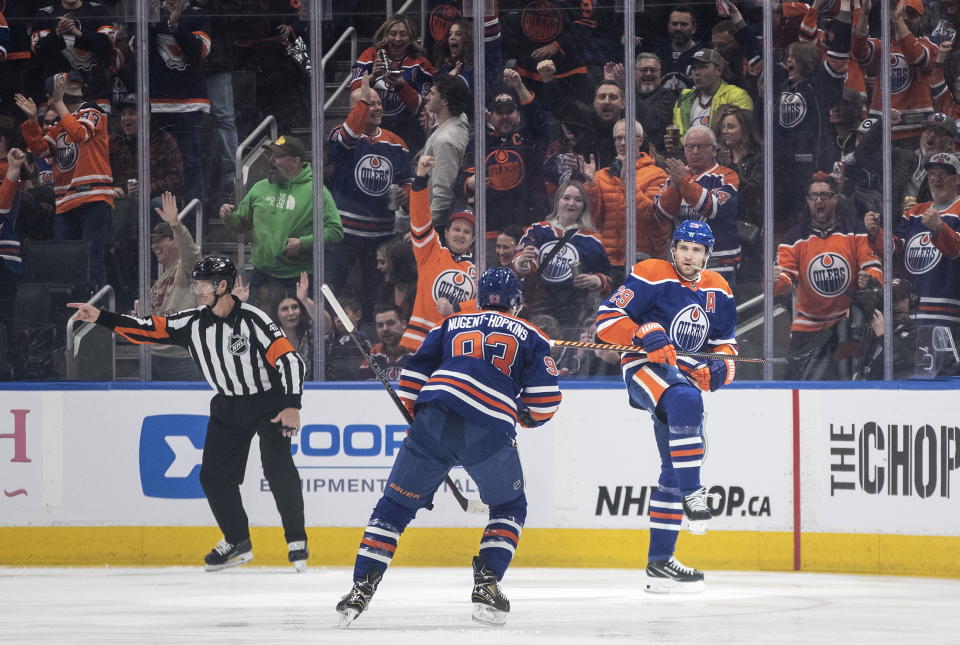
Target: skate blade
(664,586)
(347,616)
(300,565)
(487,615)
(697,527)
(243,558)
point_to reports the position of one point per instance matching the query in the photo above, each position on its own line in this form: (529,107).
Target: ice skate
(297,554)
(697,512)
(669,576)
(490,606)
(226,555)
(358,598)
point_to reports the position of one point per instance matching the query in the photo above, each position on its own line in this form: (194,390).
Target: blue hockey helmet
(693,231)
(499,288)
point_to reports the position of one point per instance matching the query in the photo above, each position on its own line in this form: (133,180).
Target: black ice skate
(358,598)
(669,576)
(297,554)
(226,555)
(490,606)
(697,512)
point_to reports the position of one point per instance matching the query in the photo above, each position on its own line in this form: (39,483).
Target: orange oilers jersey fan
(80,147)
(823,266)
(442,274)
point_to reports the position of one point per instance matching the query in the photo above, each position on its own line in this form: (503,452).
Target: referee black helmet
(216,269)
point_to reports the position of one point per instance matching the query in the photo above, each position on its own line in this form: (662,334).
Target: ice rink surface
(431,605)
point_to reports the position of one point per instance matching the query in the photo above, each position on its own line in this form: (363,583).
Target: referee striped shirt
(244,353)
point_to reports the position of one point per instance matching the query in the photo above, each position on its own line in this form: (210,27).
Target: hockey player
(664,307)
(473,378)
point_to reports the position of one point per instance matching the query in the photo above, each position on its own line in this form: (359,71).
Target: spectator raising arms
(401,75)
(82,177)
(447,275)
(563,261)
(370,167)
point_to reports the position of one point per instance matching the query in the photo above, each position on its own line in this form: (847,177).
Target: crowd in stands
(400,182)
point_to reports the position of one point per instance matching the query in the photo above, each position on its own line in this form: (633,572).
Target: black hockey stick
(777,360)
(469,505)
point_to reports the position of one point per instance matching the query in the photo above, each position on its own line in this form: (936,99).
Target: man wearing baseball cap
(697,106)
(279,211)
(516,141)
(927,244)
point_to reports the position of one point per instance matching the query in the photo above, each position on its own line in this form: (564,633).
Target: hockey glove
(525,419)
(656,344)
(712,374)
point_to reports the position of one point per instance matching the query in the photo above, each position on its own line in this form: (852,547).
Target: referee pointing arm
(258,376)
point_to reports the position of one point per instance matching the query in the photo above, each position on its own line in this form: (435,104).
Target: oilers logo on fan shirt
(67,152)
(559,268)
(829,274)
(919,254)
(793,109)
(454,285)
(373,174)
(689,328)
(900,73)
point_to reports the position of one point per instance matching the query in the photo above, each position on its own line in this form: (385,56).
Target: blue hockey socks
(379,542)
(502,534)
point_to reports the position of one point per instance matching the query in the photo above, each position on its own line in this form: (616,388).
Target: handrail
(244,161)
(194,205)
(350,33)
(756,300)
(73,347)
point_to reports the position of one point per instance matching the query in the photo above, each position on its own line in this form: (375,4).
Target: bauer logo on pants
(171,446)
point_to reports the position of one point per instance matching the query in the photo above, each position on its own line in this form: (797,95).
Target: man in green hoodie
(279,211)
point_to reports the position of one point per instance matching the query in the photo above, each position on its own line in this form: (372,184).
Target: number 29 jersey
(484,365)
(698,317)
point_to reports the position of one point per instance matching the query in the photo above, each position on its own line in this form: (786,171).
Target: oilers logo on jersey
(793,109)
(919,254)
(900,73)
(559,268)
(67,152)
(454,285)
(80,59)
(541,21)
(373,174)
(829,274)
(689,328)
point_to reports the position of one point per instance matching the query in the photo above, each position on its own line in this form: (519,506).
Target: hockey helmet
(499,288)
(696,232)
(215,269)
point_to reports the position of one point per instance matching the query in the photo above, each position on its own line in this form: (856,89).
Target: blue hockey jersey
(484,365)
(931,263)
(365,166)
(712,197)
(698,317)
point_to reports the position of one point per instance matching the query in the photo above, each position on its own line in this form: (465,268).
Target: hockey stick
(468,505)
(777,360)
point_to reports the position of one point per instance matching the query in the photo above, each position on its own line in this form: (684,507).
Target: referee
(258,376)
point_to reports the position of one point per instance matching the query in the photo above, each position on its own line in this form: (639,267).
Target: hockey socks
(683,407)
(380,538)
(502,534)
(666,514)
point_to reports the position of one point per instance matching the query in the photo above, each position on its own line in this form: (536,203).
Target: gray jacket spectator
(447,102)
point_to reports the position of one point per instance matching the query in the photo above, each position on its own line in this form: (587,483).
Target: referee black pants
(234,420)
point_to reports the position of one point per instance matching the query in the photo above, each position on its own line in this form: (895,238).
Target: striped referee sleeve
(158,330)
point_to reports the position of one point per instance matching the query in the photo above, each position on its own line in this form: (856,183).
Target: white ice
(431,605)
